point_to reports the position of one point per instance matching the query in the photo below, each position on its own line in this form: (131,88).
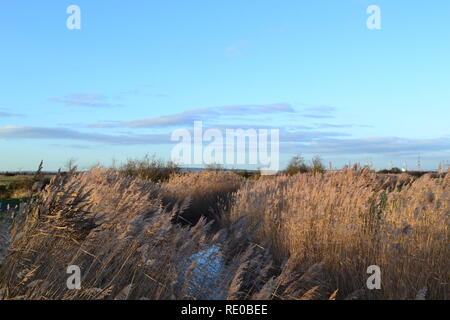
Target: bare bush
(150,168)
(296,165)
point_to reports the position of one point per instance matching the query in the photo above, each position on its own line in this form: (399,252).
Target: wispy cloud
(212,114)
(256,109)
(370,145)
(333,126)
(294,138)
(307,141)
(92,100)
(21,132)
(319,112)
(340,126)
(301,136)
(6,113)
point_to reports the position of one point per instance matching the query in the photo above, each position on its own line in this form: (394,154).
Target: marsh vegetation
(217,234)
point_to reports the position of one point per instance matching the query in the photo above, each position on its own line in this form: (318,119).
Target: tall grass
(347,221)
(205,191)
(113,227)
(306,236)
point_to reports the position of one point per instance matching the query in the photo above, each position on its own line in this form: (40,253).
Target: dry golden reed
(350,220)
(215,235)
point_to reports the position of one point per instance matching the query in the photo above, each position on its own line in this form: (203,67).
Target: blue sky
(137,70)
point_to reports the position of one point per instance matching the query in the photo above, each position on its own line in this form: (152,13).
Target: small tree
(317,165)
(296,165)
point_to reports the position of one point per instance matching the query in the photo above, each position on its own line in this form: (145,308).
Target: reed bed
(215,235)
(113,227)
(346,221)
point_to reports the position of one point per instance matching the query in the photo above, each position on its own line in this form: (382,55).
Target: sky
(137,70)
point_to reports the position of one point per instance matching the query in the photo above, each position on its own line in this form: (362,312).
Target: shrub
(391,171)
(296,165)
(253,175)
(150,168)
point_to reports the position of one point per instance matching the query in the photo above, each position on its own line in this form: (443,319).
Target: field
(7,180)
(14,186)
(218,235)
